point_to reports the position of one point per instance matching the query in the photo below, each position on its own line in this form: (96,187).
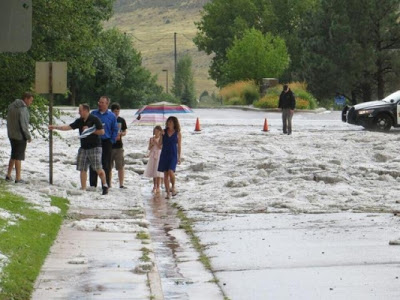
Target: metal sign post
(51,78)
(51,99)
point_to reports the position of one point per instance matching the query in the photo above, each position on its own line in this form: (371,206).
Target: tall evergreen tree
(183,88)
(350,47)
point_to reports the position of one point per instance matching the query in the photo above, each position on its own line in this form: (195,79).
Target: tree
(183,87)
(349,46)
(254,57)
(72,31)
(222,21)
(118,73)
(63,30)
(67,30)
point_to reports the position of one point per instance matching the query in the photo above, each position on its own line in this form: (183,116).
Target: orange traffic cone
(265,125)
(197,128)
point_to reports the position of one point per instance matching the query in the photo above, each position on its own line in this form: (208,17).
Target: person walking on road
(154,149)
(117,152)
(287,104)
(170,154)
(110,126)
(89,154)
(18,134)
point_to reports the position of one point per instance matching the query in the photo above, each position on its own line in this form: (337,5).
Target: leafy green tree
(63,30)
(222,21)
(119,73)
(351,47)
(254,57)
(72,31)
(183,87)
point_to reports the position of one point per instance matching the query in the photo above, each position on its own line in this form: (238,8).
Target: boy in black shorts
(117,152)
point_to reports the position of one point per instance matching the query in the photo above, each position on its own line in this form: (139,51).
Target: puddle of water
(162,218)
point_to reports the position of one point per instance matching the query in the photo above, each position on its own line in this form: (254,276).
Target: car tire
(382,122)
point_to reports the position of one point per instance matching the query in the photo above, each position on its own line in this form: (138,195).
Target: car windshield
(395,96)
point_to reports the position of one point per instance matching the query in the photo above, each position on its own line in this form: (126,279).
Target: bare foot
(168,196)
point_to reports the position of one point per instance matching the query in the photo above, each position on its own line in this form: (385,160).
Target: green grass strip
(26,244)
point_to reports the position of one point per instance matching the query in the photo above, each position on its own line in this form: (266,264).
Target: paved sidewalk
(90,264)
(98,255)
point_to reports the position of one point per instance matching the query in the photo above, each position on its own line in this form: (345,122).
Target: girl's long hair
(177,127)
(158,127)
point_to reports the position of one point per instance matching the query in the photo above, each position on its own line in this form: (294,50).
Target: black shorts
(18,148)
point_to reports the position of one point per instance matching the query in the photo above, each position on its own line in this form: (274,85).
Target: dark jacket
(287,100)
(18,121)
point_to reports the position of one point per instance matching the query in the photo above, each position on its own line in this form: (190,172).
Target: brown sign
(51,77)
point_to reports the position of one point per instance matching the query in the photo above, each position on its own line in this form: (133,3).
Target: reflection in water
(162,218)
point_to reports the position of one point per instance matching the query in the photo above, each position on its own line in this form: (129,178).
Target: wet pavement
(303,256)
(182,275)
(89,264)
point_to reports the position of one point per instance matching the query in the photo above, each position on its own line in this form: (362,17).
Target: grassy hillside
(151,25)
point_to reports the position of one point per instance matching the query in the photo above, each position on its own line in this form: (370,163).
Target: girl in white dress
(154,157)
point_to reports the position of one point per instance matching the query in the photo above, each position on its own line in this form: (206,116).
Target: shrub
(250,94)
(302,104)
(268,101)
(246,91)
(304,95)
(235,101)
(304,99)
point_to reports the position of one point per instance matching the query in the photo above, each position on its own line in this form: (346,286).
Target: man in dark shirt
(90,130)
(117,153)
(287,103)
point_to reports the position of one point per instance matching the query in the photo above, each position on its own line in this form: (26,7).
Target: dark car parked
(377,115)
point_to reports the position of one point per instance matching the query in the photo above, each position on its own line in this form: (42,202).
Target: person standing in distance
(117,153)
(90,151)
(110,126)
(18,133)
(287,104)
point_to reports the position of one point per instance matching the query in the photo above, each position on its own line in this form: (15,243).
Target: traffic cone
(197,128)
(265,125)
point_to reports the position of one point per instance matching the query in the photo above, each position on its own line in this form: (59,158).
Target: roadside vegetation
(304,99)
(336,46)
(25,241)
(247,93)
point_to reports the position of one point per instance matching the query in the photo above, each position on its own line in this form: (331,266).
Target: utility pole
(166,80)
(175,51)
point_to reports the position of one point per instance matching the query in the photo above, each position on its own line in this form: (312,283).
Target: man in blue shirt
(110,126)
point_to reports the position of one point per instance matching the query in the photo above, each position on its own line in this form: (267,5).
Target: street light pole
(175,54)
(166,80)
